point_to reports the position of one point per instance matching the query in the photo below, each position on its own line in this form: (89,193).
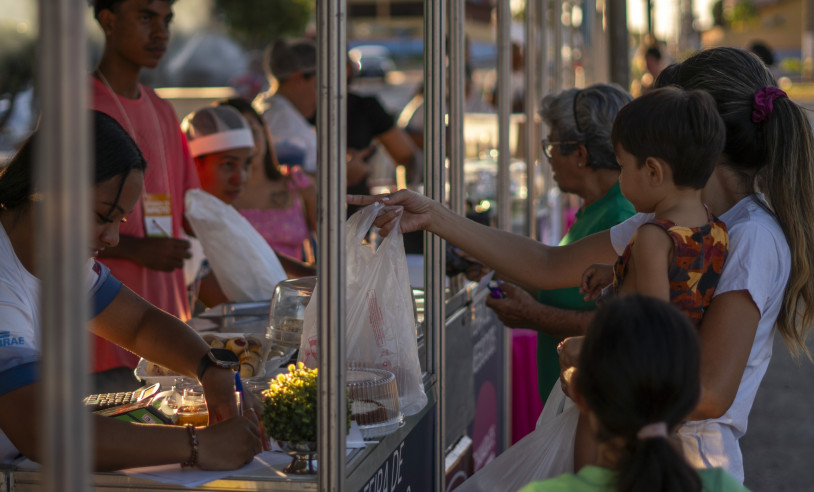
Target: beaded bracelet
(193,440)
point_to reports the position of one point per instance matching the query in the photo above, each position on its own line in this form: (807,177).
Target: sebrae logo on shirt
(6,340)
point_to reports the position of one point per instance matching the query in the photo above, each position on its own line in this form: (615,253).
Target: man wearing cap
(287,111)
(293,64)
(149,257)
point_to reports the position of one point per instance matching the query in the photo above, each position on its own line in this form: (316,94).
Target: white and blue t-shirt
(20,322)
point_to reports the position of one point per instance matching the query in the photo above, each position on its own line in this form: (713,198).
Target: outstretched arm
(520,258)
(136,325)
(520,310)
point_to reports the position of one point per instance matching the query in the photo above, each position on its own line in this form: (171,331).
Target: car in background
(372,61)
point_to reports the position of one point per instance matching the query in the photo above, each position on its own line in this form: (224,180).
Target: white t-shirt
(20,322)
(759,262)
(287,125)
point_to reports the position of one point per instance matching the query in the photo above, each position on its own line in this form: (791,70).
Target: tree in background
(256,24)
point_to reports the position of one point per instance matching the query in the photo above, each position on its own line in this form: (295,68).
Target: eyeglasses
(548,146)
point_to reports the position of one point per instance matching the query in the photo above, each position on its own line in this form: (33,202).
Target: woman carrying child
(767,280)
(637,379)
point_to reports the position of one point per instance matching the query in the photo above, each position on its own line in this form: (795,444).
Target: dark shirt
(367,119)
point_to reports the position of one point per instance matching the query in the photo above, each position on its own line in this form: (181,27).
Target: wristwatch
(218,357)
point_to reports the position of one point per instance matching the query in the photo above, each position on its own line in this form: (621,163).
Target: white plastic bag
(546,452)
(380,328)
(246,267)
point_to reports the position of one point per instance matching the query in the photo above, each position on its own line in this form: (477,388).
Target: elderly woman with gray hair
(582,159)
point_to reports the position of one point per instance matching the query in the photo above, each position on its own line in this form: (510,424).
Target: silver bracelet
(193,440)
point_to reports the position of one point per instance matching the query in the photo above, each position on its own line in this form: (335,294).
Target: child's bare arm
(586,444)
(650,257)
(595,278)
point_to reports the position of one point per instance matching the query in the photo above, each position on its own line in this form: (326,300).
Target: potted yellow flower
(290,415)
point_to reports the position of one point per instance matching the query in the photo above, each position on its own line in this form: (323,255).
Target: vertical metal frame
(504,217)
(63,175)
(557,26)
(331,178)
(457,90)
(434,157)
(532,135)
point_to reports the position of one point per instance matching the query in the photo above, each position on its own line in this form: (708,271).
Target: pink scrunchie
(656,430)
(762,105)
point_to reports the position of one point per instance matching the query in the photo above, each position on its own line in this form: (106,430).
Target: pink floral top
(285,229)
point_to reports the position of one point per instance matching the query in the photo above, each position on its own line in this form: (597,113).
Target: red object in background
(526,404)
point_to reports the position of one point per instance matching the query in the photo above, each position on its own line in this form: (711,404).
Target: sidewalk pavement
(778,448)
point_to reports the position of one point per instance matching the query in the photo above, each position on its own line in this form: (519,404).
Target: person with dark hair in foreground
(637,379)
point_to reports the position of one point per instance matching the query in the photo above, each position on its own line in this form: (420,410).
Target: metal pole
(434,156)
(457,89)
(617,26)
(331,162)
(558,43)
(504,218)
(531,97)
(457,94)
(542,54)
(504,108)
(62,172)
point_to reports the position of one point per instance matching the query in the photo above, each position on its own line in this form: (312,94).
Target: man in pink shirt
(149,257)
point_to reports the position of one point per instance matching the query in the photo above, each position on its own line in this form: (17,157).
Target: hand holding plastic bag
(246,267)
(380,327)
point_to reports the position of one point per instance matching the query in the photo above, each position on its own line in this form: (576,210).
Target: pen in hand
(239,393)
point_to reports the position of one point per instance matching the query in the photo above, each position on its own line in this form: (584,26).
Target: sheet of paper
(272,459)
(192,477)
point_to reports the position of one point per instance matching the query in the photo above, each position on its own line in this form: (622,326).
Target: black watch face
(226,356)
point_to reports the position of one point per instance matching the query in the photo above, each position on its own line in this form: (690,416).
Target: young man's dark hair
(682,128)
(100,5)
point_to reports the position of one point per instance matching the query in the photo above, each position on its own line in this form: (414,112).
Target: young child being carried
(667,143)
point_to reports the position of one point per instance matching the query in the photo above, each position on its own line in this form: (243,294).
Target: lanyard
(132,130)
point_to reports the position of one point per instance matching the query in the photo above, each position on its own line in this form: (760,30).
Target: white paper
(273,459)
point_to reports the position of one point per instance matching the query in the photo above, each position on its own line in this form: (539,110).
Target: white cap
(216,129)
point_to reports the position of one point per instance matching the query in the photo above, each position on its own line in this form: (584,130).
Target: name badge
(157,214)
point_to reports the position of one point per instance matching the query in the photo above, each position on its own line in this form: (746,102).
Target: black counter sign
(410,467)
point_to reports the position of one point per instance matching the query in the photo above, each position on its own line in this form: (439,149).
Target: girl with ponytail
(637,378)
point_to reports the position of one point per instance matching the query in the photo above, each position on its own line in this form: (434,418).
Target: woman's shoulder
(749,213)
(753,227)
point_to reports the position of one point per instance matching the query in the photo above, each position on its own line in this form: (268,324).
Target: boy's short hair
(285,57)
(100,5)
(682,128)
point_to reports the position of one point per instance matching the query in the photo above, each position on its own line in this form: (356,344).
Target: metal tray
(237,309)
